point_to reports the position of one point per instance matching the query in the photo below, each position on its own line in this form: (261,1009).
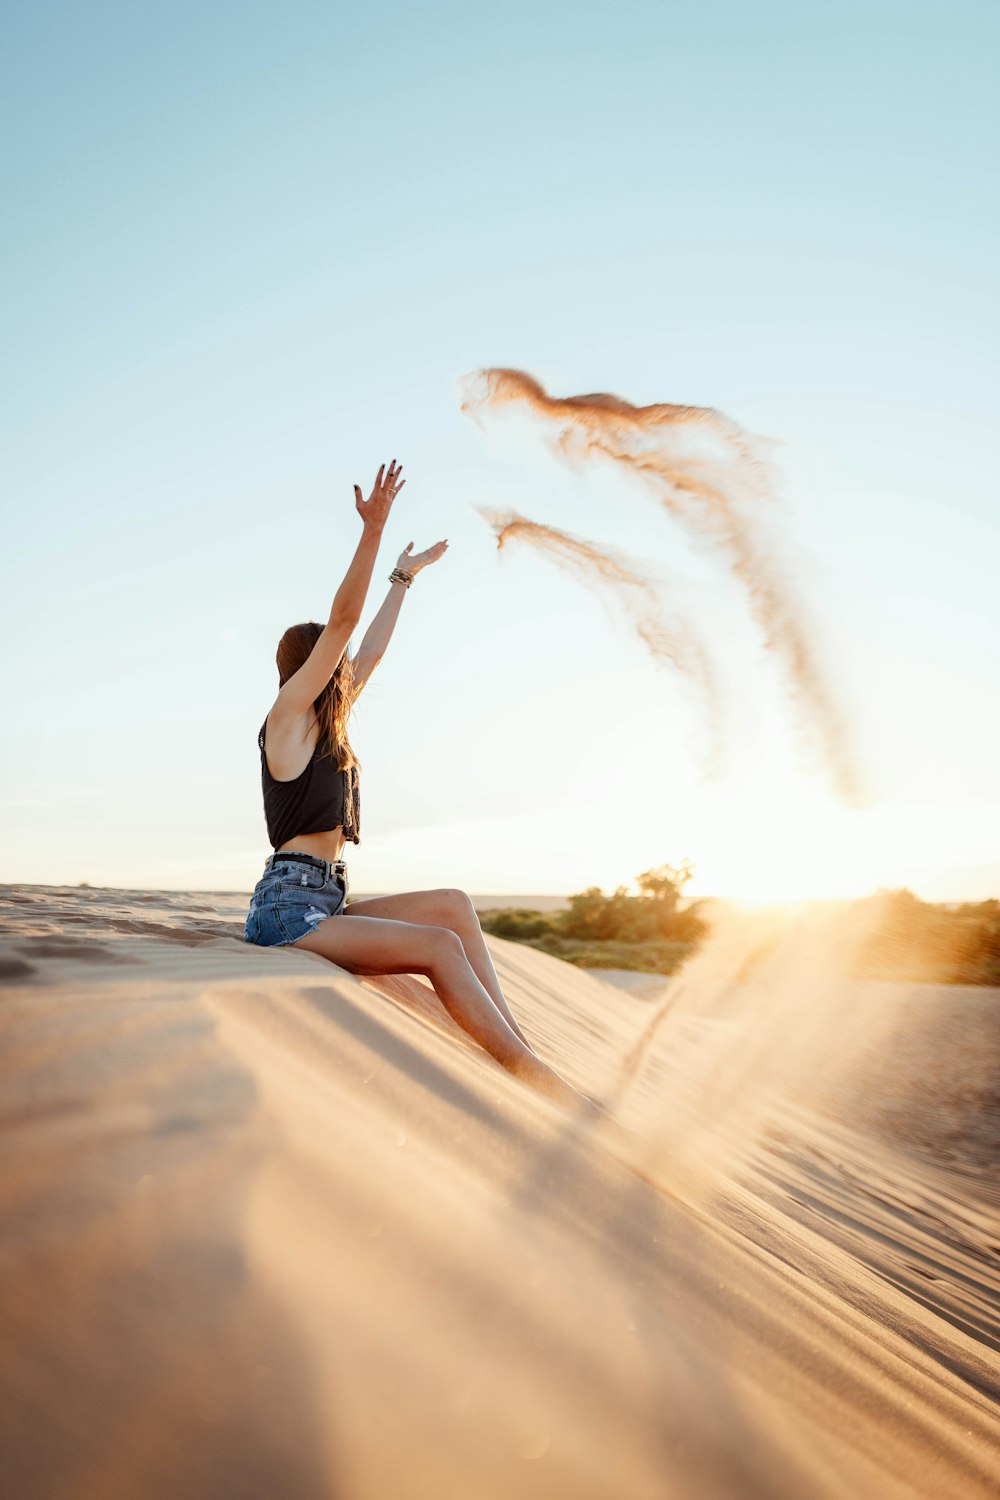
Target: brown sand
(669,634)
(273,1231)
(719,484)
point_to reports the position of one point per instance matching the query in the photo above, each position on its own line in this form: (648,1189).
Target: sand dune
(271,1230)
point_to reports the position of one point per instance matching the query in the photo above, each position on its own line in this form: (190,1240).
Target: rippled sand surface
(270,1230)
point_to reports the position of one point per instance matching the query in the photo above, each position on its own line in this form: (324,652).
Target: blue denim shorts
(294,893)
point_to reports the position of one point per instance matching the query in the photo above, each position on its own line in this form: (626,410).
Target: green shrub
(518,923)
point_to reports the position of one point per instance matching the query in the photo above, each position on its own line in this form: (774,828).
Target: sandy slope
(269,1230)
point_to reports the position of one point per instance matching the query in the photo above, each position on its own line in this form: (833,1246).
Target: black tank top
(320,799)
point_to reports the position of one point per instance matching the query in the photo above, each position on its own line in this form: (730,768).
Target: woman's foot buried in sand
(538,1075)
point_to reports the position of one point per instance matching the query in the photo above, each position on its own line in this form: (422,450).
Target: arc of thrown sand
(675,640)
(715,479)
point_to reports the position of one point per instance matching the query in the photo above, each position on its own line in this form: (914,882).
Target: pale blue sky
(248,254)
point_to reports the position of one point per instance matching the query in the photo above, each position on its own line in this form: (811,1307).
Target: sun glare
(795,845)
(800,845)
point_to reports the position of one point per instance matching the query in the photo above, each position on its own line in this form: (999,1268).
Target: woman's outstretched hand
(412,562)
(374,511)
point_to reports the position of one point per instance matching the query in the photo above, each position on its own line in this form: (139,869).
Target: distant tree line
(652,932)
(656,931)
(925,943)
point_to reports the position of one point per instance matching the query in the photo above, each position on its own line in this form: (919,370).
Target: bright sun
(799,844)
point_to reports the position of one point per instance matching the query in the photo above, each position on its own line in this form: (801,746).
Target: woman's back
(320,799)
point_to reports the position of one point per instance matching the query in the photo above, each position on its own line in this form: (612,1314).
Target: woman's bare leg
(374,945)
(445,907)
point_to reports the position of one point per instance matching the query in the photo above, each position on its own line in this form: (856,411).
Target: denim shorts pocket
(290,900)
(292,895)
(300,878)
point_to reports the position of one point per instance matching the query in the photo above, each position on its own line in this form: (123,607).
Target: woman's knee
(445,944)
(458,907)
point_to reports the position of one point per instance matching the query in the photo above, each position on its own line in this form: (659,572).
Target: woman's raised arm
(379,632)
(302,689)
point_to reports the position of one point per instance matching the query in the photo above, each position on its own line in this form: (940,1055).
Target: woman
(312,807)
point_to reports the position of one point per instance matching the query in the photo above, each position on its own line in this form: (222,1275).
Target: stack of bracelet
(398,576)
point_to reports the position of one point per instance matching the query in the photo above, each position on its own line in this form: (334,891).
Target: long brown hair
(333,706)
